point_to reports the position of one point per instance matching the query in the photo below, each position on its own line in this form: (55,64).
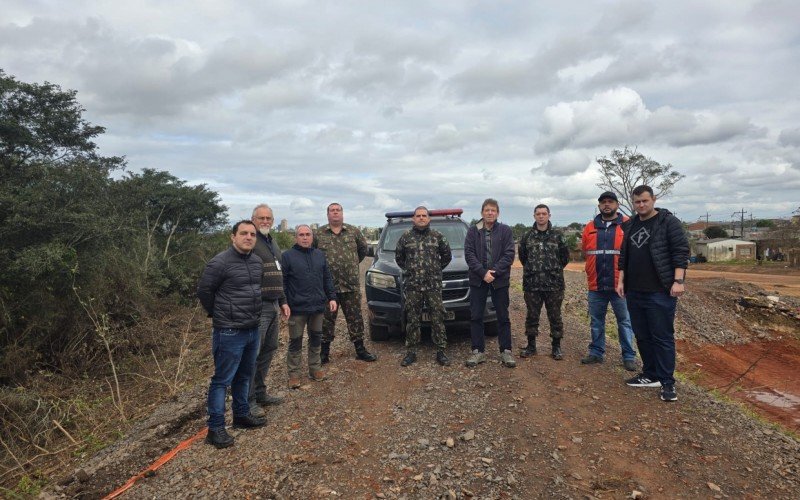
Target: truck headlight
(380,280)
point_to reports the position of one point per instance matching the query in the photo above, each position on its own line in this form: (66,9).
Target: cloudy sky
(388,105)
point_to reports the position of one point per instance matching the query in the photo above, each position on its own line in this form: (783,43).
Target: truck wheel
(378,333)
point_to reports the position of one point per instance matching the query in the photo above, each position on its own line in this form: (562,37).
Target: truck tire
(378,333)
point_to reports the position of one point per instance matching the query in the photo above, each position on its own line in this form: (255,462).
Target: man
(422,253)
(652,268)
(489,252)
(309,291)
(344,247)
(601,241)
(544,255)
(273,305)
(230,292)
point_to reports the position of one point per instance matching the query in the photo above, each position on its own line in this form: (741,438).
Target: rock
(636,494)
(511,480)
(423,443)
(418,477)
(713,487)
(487,461)
(577,440)
(450,442)
(450,495)
(468,436)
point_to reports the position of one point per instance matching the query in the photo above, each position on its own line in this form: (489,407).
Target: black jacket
(230,289)
(669,247)
(307,281)
(502,241)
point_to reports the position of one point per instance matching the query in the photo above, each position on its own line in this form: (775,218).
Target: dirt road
(546,429)
(784,284)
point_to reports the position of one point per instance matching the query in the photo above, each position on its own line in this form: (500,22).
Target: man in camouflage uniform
(422,253)
(544,254)
(344,247)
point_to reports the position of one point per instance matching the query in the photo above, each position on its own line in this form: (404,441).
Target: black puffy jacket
(230,289)
(669,247)
(307,281)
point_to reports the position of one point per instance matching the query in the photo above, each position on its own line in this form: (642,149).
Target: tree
(42,123)
(624,170)
(576,225)
(715,232)
(519,230)
(765,223)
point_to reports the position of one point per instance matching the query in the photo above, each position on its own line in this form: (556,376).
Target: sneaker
(442,358)
(591,360)
(476,358)
(508,359)
(248,421)
(294,382)
(629,365)
(668,393)
(318,375)
(410,359)
(219,438)
(268,400)
(642,381)
(257,411)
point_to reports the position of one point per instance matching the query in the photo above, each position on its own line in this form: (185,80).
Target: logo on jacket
(640,237)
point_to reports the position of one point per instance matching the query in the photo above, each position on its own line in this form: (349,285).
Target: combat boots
(530,349)
(362,353)
(556,354)
(325,353)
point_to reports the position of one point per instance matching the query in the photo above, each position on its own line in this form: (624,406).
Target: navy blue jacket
(230,289)
(502,241)
(307,282)
(668,247)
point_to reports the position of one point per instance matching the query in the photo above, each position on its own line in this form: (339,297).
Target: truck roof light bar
(433,213)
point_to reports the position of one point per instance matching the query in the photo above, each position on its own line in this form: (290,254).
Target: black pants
(477,307)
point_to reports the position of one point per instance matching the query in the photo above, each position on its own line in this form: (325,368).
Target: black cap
(608,194)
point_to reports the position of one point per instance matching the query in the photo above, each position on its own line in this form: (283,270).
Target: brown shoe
(294,382)
(318,375)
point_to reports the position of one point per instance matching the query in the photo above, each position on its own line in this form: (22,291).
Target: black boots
(410,359)
(557,355)
(362,353)
(219,438)
(442,358)
(325,352)
(248,421)
(530,349)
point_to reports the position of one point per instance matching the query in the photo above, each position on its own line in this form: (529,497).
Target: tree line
(85,251)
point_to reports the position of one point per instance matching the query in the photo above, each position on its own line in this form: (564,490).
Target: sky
(384,106)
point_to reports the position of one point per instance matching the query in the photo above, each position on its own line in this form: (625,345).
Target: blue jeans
(477,306)
(653,320)
(598,306)
(268,329)
(235,352)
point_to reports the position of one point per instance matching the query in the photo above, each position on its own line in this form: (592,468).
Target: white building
(718,249)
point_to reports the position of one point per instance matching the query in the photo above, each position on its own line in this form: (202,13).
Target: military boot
(362,353)
(325,352)
(530,349)
(557,355)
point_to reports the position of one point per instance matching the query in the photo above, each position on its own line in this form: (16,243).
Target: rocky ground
(546,429)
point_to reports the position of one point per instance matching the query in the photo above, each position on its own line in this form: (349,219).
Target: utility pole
(741,226)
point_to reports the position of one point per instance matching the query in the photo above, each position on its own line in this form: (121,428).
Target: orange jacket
(601,245)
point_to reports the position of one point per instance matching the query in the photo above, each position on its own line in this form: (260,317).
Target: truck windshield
(454,233)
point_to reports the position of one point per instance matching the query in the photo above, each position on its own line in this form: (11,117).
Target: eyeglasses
(264,218)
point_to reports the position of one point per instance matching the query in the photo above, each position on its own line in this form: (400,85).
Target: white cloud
(620,116)
(564,163)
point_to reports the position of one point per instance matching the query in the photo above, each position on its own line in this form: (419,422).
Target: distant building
(719,249)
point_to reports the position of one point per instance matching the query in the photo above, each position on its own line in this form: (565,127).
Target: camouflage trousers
(350,303)
(552,300)
(294,355)
(429,300)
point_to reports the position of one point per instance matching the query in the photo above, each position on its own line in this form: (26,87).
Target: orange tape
(166,457)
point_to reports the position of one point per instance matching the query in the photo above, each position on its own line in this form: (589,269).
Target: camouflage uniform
(543,254)
(422,254)
(343,251)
